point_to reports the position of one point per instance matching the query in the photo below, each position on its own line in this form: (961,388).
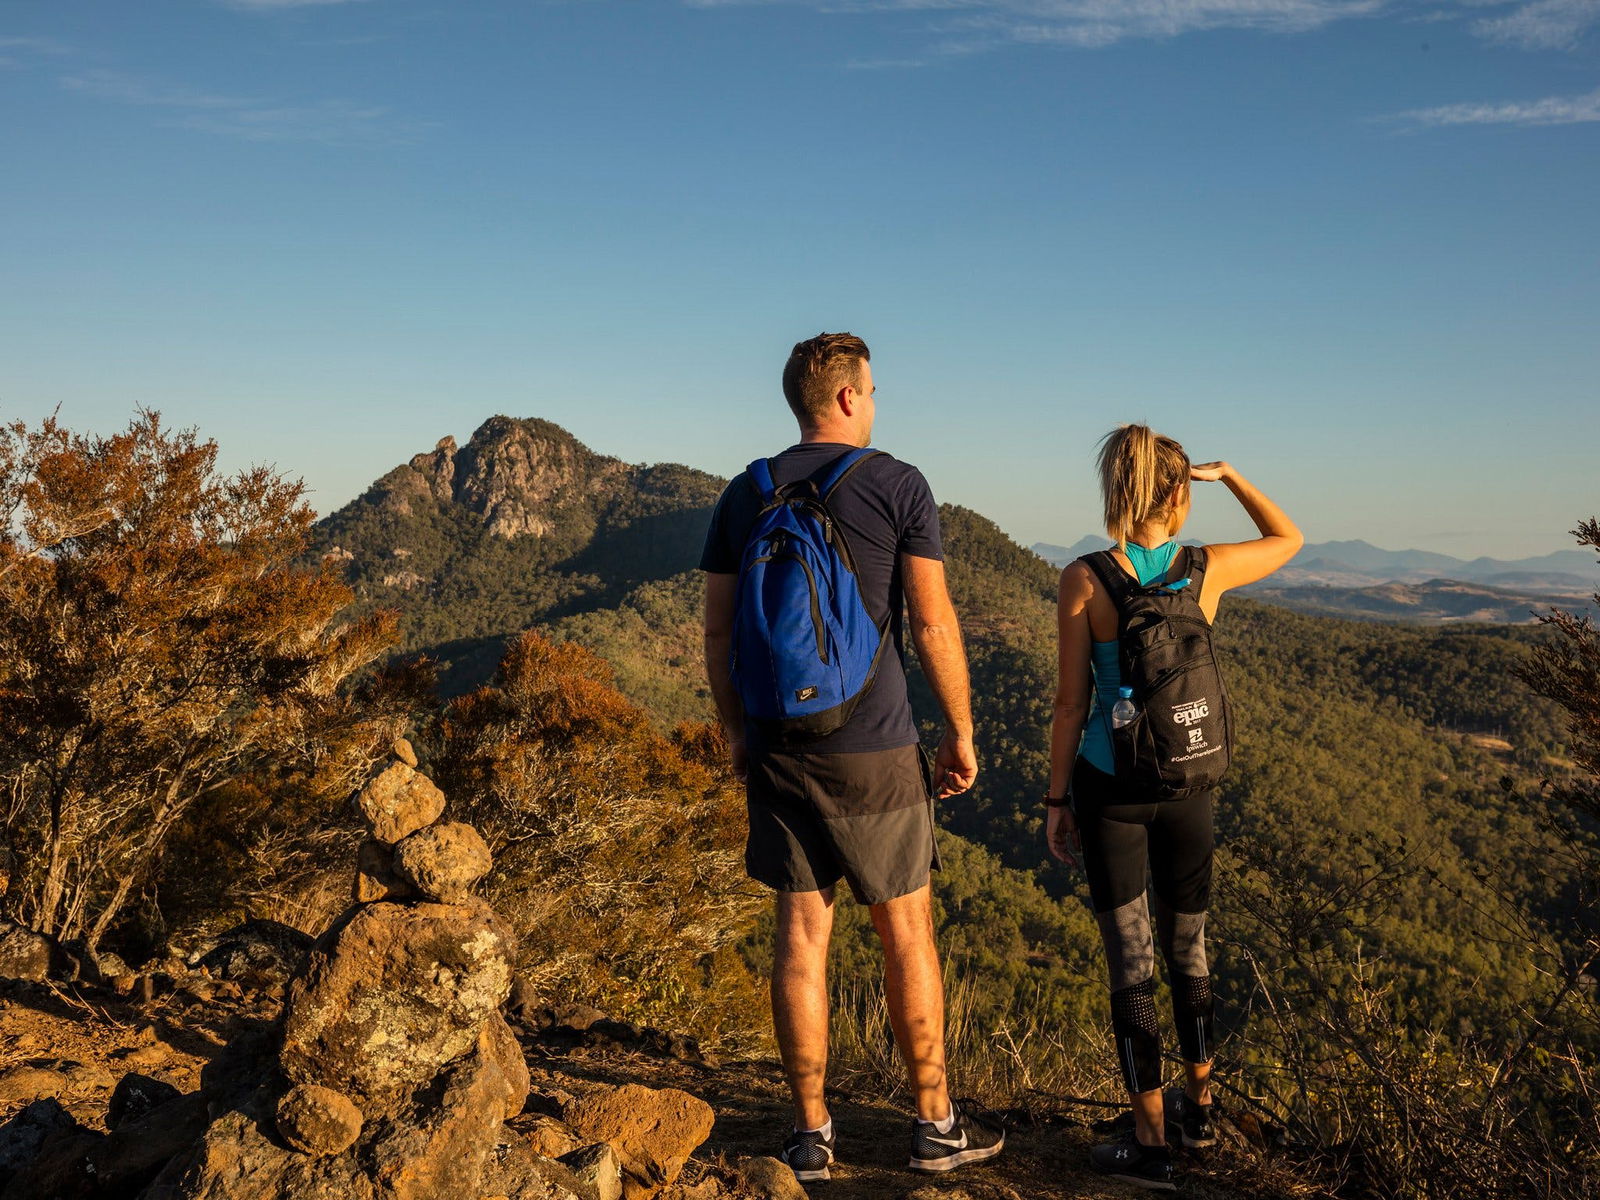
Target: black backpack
(1181,740)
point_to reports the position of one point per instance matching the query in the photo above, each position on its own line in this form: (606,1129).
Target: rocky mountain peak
(514,473)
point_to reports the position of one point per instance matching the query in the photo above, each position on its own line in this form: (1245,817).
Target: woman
(1121,832)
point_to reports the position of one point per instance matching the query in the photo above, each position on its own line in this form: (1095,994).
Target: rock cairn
(391,1073)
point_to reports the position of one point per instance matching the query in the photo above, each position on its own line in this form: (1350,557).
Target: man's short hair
(816,371)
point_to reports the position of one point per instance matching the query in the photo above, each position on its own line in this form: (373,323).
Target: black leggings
(1130,844)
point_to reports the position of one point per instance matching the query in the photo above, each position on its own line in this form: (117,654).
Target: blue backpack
(805,649)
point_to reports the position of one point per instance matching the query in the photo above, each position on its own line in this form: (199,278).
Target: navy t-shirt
(885,509)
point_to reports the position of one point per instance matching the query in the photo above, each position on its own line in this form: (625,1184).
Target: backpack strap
(1110,574)
(760,473)
(841,467)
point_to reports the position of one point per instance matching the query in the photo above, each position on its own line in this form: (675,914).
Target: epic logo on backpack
(805,649)
(1181,740)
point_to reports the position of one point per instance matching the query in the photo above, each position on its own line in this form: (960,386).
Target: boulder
(769,1179)
(375,875)
(24,954)
(22,1137)
(318,1121)
(598,1168)
(443,861)
(398,801)
(390,995)
(135,1096)
(653,1131)
(257,954)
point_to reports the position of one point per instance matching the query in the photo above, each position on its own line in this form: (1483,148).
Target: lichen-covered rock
(398,801)
(317,1120)
(391,994)
(443,861)
(24,954)
(436,1148)
(653,1131)
(375,875)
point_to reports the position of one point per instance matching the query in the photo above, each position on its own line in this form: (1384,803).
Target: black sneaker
(1192,1121)
(976,1135)
(808,1155)
(1131,1161)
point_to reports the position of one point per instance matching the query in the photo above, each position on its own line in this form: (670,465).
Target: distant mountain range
(1361,581)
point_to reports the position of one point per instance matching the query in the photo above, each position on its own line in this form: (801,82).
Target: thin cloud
(1553,110)
(268,5)
(15,51)
(251,118)
(1542,25)
(972,25)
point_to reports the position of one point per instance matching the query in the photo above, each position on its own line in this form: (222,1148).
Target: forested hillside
(1360,746)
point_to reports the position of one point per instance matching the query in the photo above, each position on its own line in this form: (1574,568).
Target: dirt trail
(88,1039)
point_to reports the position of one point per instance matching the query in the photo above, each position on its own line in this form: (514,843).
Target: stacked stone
(395,1070)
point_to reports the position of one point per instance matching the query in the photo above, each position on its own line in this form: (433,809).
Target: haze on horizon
(1346,244)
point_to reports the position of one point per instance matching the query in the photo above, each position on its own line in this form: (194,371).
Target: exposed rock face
(443,861)
(318,1121)
(512,471)
(398,801)
(515,474)
(391,994)
(24,954)
(653,1132)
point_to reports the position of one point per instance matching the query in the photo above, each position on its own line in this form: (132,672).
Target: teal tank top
(1149,566)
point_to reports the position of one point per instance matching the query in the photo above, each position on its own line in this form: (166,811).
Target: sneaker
(976,1135)
(1131,1161)
(1192,1121)
(808,1154)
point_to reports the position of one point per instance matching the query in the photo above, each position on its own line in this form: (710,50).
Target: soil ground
(77,1042)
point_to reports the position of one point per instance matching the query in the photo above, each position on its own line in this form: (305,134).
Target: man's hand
(955,765)
(1061,835)
(738,759)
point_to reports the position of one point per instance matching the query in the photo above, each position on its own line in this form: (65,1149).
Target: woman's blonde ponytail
(1138,471)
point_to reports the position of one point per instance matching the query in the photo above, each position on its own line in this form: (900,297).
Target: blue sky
(1349,245)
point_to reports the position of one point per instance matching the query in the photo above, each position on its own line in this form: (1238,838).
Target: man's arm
(937,636)
(720,594)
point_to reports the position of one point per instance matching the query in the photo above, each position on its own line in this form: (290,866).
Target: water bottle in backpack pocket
(805,649)
(1178,738)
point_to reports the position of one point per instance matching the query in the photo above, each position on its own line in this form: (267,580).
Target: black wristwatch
(1058,801)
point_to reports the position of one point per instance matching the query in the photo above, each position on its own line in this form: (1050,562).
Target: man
(853,804)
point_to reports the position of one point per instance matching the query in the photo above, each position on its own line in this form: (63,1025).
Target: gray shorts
(817,818)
